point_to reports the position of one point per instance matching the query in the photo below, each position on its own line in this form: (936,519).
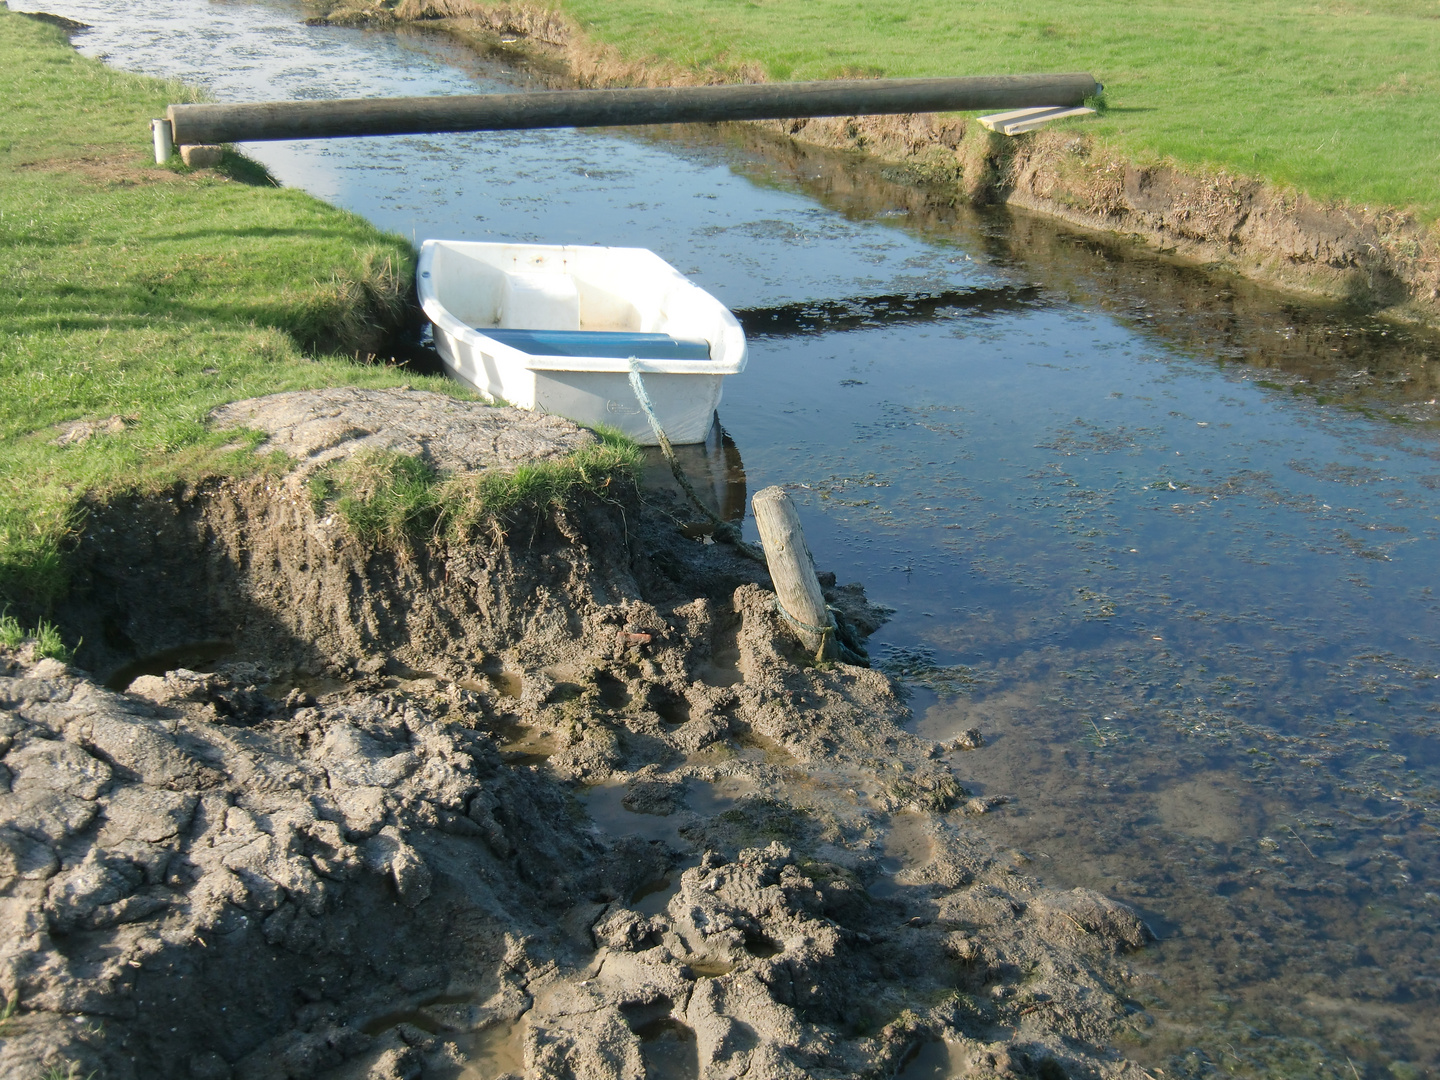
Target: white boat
(554,328)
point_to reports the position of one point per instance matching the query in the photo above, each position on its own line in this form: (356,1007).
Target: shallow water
(1166,538)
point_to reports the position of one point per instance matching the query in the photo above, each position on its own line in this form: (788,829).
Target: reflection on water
(1166,538)
(866,312)
(605,803)
(714,470)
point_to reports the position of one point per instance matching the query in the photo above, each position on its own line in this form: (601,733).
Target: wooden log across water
(345,117)
(792,570)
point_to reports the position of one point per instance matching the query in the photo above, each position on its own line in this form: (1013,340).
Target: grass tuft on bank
(395,499)
(46,641)
(138,297)
(1338,100)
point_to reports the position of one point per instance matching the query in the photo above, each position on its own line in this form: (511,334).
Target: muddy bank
(560,801)
(1380,258)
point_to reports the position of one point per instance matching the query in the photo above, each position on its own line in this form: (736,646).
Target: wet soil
(317,859)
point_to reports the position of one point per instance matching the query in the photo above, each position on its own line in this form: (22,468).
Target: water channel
(1165,537)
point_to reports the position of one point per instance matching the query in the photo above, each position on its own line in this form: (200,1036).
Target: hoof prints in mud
(355,887)
(195,887)
(384,866)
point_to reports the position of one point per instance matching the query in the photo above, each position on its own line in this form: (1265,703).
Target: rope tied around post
(825,632)
(724,530)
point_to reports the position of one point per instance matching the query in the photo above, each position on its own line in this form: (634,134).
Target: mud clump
(362,845)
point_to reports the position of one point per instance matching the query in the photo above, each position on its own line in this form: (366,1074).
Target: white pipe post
(164,145)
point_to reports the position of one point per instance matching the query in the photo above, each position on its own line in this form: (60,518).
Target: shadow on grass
(70,26)
(243,170)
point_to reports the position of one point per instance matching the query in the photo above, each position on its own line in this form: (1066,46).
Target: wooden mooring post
(792,569)
(206,124)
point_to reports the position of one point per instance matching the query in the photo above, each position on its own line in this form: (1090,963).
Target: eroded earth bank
(560,800)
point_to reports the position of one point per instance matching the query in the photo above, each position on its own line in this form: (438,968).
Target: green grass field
(1335,99)
(137,298)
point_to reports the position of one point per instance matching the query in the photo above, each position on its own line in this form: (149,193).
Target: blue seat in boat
(604,343)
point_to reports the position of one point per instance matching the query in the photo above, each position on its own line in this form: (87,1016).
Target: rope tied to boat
(724,530)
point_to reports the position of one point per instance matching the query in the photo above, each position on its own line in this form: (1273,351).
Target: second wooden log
(792,569)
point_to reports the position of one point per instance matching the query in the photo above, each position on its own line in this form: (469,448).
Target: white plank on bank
(1021,120)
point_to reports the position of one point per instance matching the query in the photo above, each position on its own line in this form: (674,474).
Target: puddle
(317,686)
(493,1051)
(756,747)
(934,1060)
(200,656)
(524,745)
(509,684)
(712,799)
(709,969)
(906,844)
(654,896)
(604,803)
(613,809)
(907,841)
(419,1016)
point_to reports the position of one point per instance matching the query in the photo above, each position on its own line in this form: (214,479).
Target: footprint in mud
(907,845)
(669,1047)
(654,897)
(523,745)
(933,1060)
(506,683)
(723,667)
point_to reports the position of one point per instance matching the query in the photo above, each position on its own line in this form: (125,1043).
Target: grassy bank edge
(140,297)
(397,500)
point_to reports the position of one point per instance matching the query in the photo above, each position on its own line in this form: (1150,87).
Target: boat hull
(685,404)
(619,290)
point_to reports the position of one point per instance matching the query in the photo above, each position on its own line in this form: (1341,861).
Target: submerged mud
(562,800)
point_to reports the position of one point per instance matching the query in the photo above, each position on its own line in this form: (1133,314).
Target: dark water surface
(1168,539)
